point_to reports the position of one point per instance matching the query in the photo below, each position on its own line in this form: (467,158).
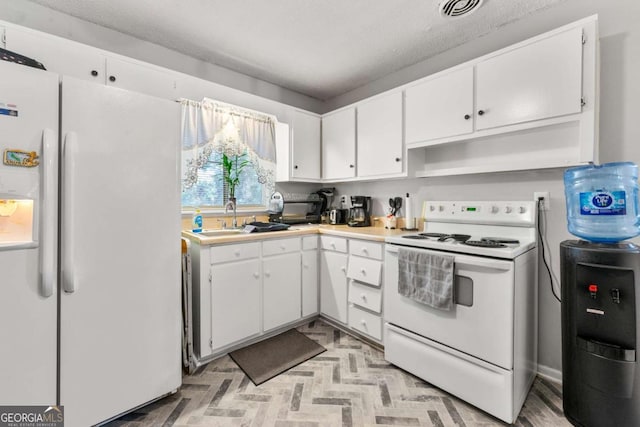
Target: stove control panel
(481,212)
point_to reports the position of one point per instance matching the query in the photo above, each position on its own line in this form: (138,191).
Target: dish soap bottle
(196,221)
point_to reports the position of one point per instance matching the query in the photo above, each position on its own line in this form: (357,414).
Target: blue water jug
(602,201)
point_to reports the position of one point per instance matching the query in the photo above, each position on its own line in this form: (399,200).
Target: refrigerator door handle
(70,150)
(48,223)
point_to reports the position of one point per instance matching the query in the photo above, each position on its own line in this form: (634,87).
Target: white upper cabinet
(58,55)
(305,147)
(379,130)
(74,59)
(339,144)
(140,78)
(440,107)
(533,82)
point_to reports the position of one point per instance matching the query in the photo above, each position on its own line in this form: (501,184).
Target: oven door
(481,321)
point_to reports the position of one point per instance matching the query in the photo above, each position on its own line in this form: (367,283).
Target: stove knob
(522,209)
(432,208)
(508,209)
(494,209)
(441,208)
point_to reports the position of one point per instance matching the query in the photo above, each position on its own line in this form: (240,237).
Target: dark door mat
(266,359)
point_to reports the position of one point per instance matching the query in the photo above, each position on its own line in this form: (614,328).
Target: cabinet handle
(256,275)
(352,166)
(283,247)
(295,166)
(112,78)
(364,297)
(343,268)
(364,323)
(237,253)
(365,251)
(398,159)
(363,271)
(467,117)
(480,112)
(305,265)
(267,274)
(94,73)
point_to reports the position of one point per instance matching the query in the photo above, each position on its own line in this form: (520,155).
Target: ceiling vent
(458,8)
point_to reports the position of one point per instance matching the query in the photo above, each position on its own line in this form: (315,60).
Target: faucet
(231,205)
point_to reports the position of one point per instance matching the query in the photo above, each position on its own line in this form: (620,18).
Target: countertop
(377,234)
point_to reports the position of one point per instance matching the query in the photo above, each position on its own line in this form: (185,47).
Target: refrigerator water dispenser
(16,221)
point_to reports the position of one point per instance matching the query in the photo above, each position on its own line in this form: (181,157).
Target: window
(226,151)
(210,191)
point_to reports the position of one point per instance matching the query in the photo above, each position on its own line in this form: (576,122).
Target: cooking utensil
(398,203)
(394,207)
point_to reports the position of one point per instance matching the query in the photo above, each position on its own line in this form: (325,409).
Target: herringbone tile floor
(348,385)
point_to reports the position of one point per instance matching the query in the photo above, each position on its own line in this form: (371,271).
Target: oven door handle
(476,262)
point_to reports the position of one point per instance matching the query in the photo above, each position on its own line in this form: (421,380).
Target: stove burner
(456,237)
(433,234)
(501,240)
(484,243)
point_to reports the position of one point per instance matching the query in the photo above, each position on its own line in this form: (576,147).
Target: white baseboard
(550,373)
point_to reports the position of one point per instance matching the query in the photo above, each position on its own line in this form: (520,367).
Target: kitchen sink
(221,232)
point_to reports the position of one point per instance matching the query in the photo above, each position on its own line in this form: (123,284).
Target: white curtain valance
(201,121)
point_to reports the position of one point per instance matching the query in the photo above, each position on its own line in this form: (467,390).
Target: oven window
(463,291)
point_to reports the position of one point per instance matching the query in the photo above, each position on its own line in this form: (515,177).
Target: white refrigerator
(90,287)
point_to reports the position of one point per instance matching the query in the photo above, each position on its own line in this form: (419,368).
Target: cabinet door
(58,55)
(537,81)
(339,144)
(141,78)
(282,291)
(309,282)
(380,136)
(235,301)
(440,107)
(283,152)
(333,285)
(305,158)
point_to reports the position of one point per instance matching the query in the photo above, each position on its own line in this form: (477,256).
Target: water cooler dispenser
(600,372)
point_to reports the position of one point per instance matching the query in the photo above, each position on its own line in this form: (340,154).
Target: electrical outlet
(545,195)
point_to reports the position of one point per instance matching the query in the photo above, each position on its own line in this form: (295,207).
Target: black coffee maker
(360,212)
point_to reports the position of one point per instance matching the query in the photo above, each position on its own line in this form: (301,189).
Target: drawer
(280,246)
(309,242)
(332,243)
(365,322)
(365,249)
(227,253)
(365,296)
(365,270)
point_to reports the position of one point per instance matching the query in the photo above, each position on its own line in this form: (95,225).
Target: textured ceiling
(321,48)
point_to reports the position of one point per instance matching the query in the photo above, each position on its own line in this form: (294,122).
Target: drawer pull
(364,297)
(332,244)
(256,275)
(237,253)
(363,271)
(365,251)
(364,323)
(283,247)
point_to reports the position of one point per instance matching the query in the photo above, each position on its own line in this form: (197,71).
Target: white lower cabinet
(244,290)
(309,275)
(282,290)
(235,301)
(333,284)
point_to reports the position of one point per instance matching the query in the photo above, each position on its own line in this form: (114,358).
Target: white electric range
(484,350)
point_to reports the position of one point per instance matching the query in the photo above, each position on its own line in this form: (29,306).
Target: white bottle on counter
(196,221)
